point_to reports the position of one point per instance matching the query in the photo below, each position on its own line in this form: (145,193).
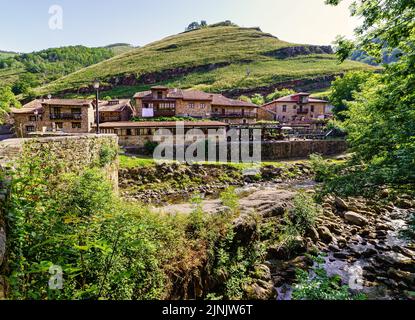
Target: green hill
(27,70)
(221,58)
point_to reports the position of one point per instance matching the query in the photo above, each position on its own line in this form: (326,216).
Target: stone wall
(70,154)
(280,150)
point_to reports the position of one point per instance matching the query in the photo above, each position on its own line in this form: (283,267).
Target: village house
(137,134)
(294,109)
(115,110)
(42,115)
(166,102)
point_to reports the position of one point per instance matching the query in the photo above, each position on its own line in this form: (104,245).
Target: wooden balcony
(234,115)
(66,116)
(103,119)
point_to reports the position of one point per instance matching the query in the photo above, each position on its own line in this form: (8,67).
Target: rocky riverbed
(362,239)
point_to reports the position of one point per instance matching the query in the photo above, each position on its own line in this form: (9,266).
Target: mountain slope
(211,59)
(32,69)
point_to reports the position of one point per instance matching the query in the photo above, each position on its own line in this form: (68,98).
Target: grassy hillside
(241,56)
(119,48)
(27,70)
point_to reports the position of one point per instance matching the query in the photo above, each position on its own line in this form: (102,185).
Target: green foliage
(278,94)
(317,285)
(258,99)
(230,199)
(7,101)
(380,119)
(320,167)
(299,220)
(343,89)
(109,249)
(107,154)
(150,146)
(29,70)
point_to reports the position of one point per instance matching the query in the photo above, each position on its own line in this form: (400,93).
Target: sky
(27,25)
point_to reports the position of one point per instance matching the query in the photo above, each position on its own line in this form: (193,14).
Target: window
(312,108)
(76,125)
(30,128)
(295,107)
(129,132)
(59,125)
(191,105)
(284,108)
(202,106)
(32,118)
(159,95)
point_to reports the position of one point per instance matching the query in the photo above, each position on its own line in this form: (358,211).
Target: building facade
(297,108)
(137,134)
(166,102)
(66,115)
(115,110)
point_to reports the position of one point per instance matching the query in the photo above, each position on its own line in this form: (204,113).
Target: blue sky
(24,24)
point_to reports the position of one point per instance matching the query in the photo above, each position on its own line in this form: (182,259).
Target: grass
(134,162)
(238,48)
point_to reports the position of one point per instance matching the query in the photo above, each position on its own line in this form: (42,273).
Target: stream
(372,263)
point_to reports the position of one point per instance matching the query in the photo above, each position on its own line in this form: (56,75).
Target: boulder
(325,234)
(260,290)
(340,203)
(355,218)
(245,228)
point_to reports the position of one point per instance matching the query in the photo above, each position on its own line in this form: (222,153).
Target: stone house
(166,102)
(297,108)
(66,115)
(137,134)
(115,110)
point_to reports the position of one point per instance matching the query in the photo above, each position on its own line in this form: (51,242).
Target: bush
(317,285)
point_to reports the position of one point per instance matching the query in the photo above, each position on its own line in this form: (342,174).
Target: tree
(25,83)
(343,88)
(381,119)
(7,101)
(193,26)
(278,94)
(258,99)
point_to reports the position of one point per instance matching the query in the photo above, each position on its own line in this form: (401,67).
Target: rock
(394,259)
(313,234)
(260,290)
(325,235)
(245,228)
(355,219)
(262,272)
(407,277)
(2,244)
(340,204)
(369,253)
(340,255)
(404,203)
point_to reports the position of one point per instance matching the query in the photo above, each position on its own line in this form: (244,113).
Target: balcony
(103,119)
(302,111)
(234,115)
(66,116)
(164,113)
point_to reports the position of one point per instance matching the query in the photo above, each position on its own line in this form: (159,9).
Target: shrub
(317,285)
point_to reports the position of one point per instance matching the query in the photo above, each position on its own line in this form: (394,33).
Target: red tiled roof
(216,99)
(292,99)
(67,102)
(114,105)
(161,124)
(220,100)
(29,108)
